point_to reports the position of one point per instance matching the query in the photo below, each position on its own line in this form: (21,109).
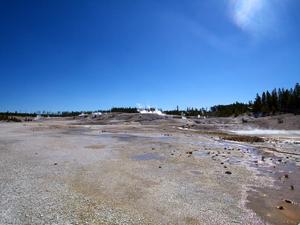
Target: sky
(58,55)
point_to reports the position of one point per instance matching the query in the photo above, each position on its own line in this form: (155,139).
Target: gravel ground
(55,172)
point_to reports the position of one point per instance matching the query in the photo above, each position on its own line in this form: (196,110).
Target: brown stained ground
(285,193)
(96,146)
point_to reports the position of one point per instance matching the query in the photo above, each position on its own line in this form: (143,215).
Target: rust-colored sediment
(279,204)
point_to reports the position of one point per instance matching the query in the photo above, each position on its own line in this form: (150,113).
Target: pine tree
(268,102)
(257,104)
(274,101)
(296,95)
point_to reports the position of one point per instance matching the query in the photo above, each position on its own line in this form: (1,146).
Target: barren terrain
(150,169)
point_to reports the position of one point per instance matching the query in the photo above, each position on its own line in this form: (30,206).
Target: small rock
(225,167)
(190,152)
(228,172)
(262,158)
(159,167)
(288,201)
(286,176)
(55,164)
(280,207)
(292,187)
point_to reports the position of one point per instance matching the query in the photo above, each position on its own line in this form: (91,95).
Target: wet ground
(152,171)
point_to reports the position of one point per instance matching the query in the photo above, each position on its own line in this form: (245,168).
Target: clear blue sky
(85,55)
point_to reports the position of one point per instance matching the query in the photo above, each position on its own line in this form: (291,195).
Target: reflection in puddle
(76,131)
(196,172)
(233,160)
(124,137)
(148,156)
(201,154)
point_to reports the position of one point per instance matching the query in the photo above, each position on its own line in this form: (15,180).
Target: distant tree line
(234,109)
(7,118)
(217,110)
(65,114)
(20,114)
(188,112)
(13,116)
(5,115)
(124,110)
(268,103)
(278,101)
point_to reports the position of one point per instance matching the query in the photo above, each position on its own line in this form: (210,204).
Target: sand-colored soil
(133,169)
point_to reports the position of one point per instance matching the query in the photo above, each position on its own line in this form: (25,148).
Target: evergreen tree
(296,94)
(274,101)
(257,105)
(268,103)
(264,105)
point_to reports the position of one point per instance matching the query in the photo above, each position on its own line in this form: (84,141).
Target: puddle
(130,137)
(148,156)
(201,154)
(76,131)
(196,172)
(134,137)
(233,160)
